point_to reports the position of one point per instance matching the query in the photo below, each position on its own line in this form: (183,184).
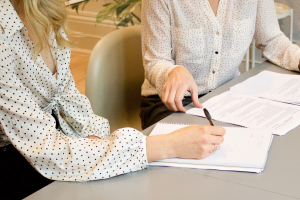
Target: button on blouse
(31,99)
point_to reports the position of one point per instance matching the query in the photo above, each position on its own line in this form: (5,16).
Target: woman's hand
(179,81)
(194,142)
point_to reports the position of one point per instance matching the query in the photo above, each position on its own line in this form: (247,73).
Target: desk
(279,181)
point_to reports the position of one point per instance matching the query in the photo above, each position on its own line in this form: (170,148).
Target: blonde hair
(45,16)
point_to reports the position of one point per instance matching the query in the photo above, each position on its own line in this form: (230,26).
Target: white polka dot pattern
(187,33)
(31,96)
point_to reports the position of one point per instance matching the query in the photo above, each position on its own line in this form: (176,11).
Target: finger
(216,139)
(204,155)
(171,99)
(165,95)
(212,130)
(214,147)
(194,95)
(218,131)
(178,98)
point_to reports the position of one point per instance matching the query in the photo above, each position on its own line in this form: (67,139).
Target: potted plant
(120,11)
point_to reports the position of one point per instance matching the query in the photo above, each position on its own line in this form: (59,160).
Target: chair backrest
(114,78)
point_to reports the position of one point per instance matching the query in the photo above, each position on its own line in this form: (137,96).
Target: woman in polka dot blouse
(191,47)
(48,128)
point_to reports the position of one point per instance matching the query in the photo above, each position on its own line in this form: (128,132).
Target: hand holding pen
(208,117)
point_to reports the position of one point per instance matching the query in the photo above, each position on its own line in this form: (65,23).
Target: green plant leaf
(120,11)
(75,6)
(126,12)
(121,8)
(106,13)
(134,1)
(107,4)
(136,17)
(132,23)
(125,21)
(84,3)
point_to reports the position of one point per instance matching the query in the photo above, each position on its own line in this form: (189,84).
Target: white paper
(271,85)
(242,150)
(251,112)
(222,168)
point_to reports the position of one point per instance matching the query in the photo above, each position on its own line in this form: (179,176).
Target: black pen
(208,117)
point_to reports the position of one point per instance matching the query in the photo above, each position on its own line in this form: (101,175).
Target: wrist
(160,147)
(169,146)
(176,69)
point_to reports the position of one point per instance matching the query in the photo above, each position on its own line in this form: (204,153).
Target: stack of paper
(263,101)
(273,86)
(251,112)
(243,149)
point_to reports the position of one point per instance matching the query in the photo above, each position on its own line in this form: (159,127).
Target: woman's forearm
(159,147)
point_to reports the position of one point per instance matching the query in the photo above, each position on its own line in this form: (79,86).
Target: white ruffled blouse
(47,119)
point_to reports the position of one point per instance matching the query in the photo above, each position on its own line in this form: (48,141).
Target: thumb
(194,95)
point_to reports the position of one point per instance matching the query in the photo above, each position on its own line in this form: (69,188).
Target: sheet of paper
(243,150)
(222,168)
(271,85)
(251,112)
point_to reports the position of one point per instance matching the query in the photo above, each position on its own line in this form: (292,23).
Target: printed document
(273,86)
(251,112)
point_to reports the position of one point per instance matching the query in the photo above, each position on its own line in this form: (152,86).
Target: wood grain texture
(78,67)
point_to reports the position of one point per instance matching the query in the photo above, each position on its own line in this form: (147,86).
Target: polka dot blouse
(47,119)
(187,33)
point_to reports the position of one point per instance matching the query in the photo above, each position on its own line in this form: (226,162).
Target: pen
(208,117)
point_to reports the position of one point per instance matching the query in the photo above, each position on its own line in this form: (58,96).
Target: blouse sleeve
(156,43)
(53,154)
(276,47)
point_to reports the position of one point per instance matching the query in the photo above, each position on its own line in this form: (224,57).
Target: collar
(9,19)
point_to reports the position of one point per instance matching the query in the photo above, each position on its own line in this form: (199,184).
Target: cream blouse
(31,96)
(187,33)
